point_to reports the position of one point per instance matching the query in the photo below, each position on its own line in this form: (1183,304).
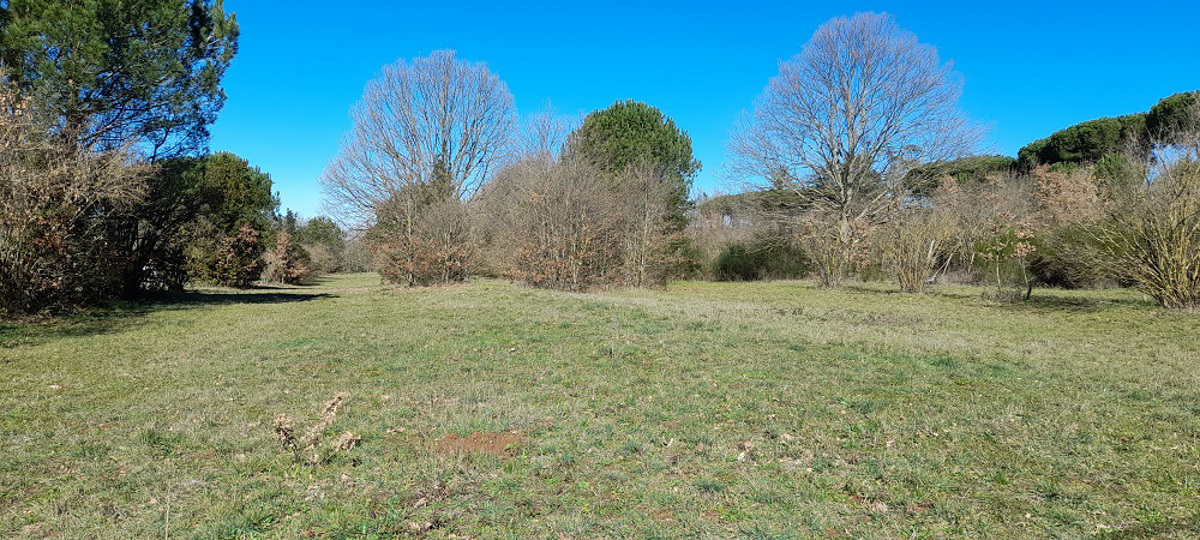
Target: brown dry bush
(567,225)
(912,245)
(62,209)
(287,262)
(1150,231)
(307,447)
(239,258)
(974,213)
(423,242)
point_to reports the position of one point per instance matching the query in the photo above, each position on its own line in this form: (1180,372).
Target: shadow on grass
(126,315)
(1038,302)
(1042,303)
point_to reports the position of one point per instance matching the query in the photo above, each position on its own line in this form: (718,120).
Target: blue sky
(1029,68)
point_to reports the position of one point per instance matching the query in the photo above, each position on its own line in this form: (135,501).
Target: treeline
(864,167)
(106,187)
(1113,201)
(861,159)
(449,184)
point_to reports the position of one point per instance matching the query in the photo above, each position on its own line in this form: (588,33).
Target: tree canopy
(113,72)
(924,179)
(1086,142)
(1173,115)
(236,194)
(633,134)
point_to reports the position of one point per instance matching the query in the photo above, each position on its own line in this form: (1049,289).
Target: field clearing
(706,410)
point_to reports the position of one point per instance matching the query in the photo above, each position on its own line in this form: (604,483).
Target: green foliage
(923,180)
(1059,262)
(1086,142)
(1068,166)
(224,195)
(234,194)
(323,231)
(325,244)
(113,72)
(765,257)
(158,231)
(1174,115)
(1118,170)
(738,263)
(632,134)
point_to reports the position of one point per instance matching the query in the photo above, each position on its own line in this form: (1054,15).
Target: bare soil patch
(494,444)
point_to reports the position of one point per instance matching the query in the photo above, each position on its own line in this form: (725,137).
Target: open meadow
(705,410)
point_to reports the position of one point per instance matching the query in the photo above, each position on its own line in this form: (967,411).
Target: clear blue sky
(1029,68)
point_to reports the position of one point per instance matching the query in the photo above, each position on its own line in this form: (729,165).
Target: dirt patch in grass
(493,444)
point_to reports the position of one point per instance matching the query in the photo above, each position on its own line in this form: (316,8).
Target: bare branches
(846,119)
(416,117)
(861,105)
(545,132)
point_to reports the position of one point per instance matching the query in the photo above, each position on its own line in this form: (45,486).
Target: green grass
(749,410)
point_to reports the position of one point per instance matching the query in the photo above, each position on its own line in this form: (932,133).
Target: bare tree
(545,132)
(437,119)
(846,119)
(426,135)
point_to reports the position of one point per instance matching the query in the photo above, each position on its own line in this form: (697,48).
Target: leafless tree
(846,119)
(437,119)
(564,223)
(545,132)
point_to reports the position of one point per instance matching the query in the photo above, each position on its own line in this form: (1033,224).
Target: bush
(765,256)
(1151,232)
(1059,262)
(912,245)
(739,263)
(569,225)
(238,261)
(62,212)
(287,262)
(423,243)
(325,243)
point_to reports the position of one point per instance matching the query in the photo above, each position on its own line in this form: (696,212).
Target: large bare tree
(436,123)
(843,123)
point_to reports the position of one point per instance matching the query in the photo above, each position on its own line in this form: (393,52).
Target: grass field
(489,410)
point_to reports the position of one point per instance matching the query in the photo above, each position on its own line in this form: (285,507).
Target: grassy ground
(758,410)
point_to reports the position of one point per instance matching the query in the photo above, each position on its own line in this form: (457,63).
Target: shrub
(739,263)
(912,244)
(287,262)
(238,261)
(1150,234)
(62,209)
(420,243)
(767,255)
(569,225)
(1058,261)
